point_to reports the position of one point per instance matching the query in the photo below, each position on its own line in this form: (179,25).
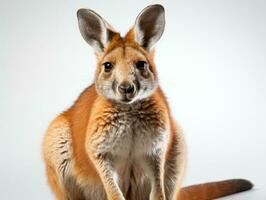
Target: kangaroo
(119,140)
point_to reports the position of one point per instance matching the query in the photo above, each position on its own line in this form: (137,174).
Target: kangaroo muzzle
(127,91)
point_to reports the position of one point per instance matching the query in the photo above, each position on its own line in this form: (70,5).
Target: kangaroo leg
(56,187)
(98,149)
(175,163)
(57,156)
(152,165)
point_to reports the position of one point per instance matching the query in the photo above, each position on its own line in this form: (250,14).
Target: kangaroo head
(125,68)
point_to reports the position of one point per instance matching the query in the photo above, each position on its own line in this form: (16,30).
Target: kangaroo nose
(126,88)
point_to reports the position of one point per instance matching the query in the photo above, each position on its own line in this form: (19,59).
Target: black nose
(126,88)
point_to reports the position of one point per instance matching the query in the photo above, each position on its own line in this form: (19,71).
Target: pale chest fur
(131,131)
(127,135)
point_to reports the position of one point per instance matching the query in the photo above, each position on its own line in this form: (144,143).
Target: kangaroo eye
(141,65)
(107,66)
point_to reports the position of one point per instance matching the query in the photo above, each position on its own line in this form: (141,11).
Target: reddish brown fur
(209,191)
(88,110)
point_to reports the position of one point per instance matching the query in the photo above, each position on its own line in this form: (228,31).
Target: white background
(212,67)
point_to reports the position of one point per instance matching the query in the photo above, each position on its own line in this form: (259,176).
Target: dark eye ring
(141,65)
(107,66)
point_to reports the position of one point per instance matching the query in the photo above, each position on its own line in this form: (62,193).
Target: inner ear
(94,29)
(149,26)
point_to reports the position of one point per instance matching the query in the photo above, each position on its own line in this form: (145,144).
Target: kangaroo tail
(212,190)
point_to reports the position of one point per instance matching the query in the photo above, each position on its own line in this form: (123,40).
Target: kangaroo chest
(127,137)
(129,134)
(130,137)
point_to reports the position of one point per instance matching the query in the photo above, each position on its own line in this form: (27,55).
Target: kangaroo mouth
(126,92)
(127,98)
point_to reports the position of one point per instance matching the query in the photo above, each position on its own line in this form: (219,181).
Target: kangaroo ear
(149,26)
(94,29)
